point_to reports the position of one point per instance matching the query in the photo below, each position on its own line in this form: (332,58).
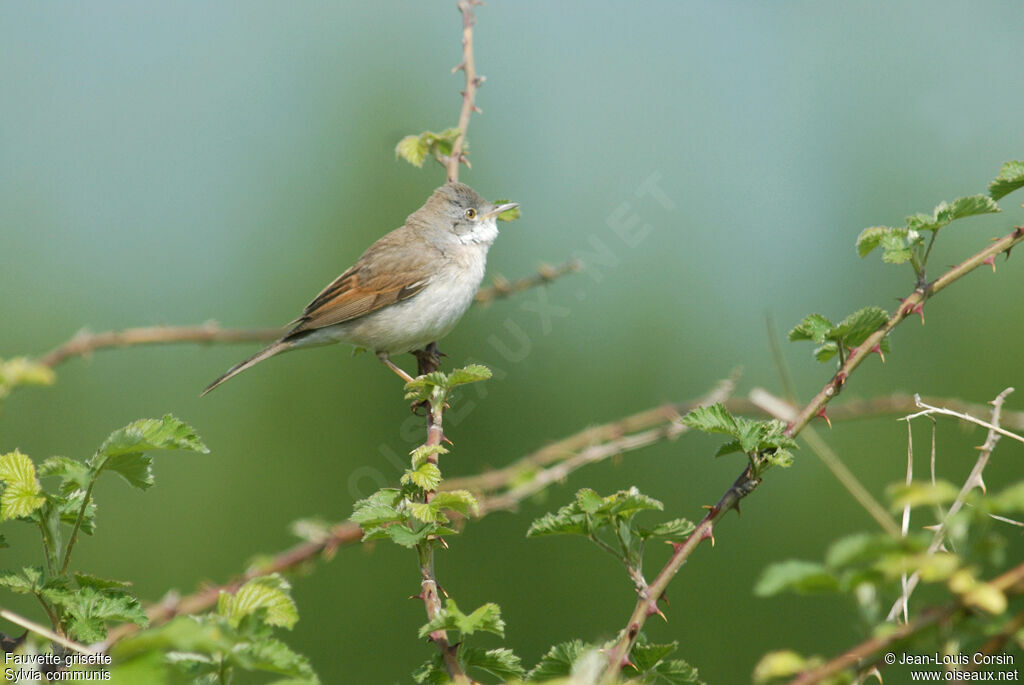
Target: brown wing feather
(393,269)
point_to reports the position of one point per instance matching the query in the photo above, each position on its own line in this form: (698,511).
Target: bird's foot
(428,359)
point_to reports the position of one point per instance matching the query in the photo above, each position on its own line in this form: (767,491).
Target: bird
(406,291)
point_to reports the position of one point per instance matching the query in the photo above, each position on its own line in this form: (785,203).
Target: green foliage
(21,487)
(870,569)
(648,663)
(609,523)
(270,593)
(81,605)
(558,661)
(763,441)
(20,371)
(907,243)
(238,636)
(415,148)
(833,339)
(500,663)
(1010,178)
(486,618)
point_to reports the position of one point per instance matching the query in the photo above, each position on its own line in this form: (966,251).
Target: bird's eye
(470,213)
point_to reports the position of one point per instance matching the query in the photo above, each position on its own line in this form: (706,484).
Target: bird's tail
(265,353)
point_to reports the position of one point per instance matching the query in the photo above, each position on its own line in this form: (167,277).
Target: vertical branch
(430,592)
(469,94)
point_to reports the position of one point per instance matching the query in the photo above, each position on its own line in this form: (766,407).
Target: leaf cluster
(763,441)
(869,568)
(416,148)
(80,605)
(841,338)
(211,649)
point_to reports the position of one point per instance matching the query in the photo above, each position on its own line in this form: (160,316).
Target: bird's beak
(501,208)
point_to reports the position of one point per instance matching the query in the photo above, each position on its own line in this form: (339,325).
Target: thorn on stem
(878,349)
(991,261)
(821,414)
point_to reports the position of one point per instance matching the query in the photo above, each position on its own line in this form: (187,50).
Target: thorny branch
(747,481)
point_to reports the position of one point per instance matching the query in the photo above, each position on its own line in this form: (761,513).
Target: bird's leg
(428,359)
(383,356)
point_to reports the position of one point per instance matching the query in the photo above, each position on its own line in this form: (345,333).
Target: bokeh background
(174,163)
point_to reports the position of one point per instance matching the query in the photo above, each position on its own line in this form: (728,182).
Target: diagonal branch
(747,482)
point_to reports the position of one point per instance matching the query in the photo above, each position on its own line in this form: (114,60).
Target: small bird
(407,290)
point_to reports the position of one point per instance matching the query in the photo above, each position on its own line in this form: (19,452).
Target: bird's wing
(389,272)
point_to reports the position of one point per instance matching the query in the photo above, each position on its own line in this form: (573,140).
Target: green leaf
(962,207)
(271,592)
(427,512)
(947,212)
(857,327)
(426,476)
(803,577)
(124,451)
(421,453)
(897,245)
(407,537)
(87,580)
(869,239)
(274,656)
(468,374)
(774,666)
(378,509)
(461,501)
(921,494)
(814,327)
(23,371)
(412,149)
(74,474)
(88,610)
(486,618)
(558,661)
(569,520)
(24,583)
(646,656)
(676,528)
(431,672)
(21,493)
(589,501)
(862,548)
(501,663)
(712,419)
(1010,178)
(931,567)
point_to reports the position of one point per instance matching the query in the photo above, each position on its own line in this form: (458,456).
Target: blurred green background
(173,163)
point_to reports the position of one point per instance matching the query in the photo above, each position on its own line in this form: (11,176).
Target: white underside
(427,316)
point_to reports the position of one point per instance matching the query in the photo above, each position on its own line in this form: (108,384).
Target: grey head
(461,212)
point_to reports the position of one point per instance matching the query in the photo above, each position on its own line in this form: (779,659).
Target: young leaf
(274,656)
(804,577)
(468,374)
(814,327)
(676,528)
(558,661)
(26,582)
(712,419)
(568,520)
(501,663)
(412,149)
(90,609)
(271,592)
(23,371)
(21,492)
(1010,178)
(921,494)
(461,501)
(426,476)
(124,451)
(74,474)
(486,618)
(427,512)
